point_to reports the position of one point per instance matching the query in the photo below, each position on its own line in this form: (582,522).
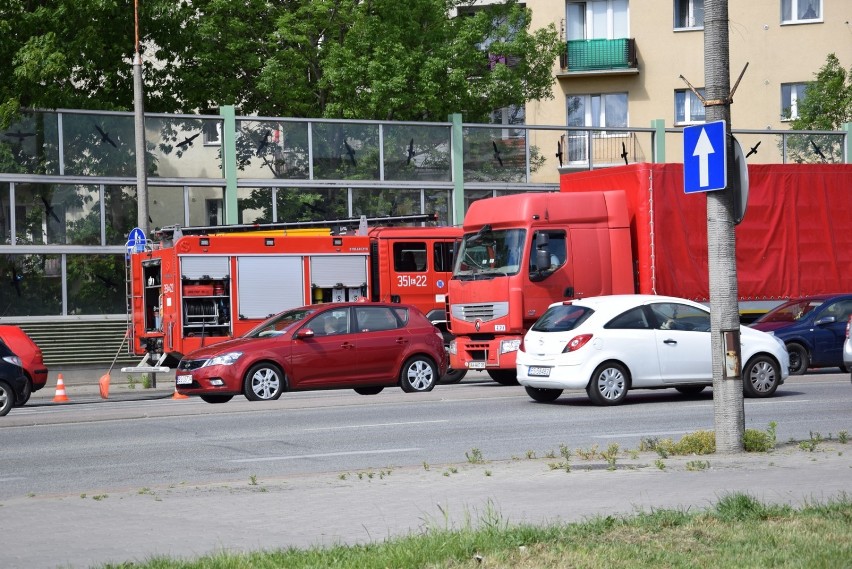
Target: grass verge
(739,531)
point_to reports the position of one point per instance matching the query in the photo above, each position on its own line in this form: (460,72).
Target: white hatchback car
(608,345)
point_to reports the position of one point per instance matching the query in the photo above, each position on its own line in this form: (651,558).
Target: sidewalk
(82,385)
(117,525)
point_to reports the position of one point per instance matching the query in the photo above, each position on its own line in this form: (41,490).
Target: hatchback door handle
(401,341)
(670,341)
(347,345)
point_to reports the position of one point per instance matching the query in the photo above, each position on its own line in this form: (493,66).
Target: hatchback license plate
(539,371)
(476,365)
(184,379)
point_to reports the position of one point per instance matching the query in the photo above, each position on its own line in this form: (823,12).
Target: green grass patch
(738,531)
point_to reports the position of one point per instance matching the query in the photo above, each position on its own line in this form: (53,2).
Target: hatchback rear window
(562,318)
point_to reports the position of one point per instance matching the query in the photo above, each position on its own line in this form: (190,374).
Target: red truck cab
(521,252)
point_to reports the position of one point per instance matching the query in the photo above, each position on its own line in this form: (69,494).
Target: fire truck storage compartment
(338,278)
(152,279)
(269,284)
(206,295)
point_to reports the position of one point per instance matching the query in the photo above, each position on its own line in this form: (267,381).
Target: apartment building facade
(624,59)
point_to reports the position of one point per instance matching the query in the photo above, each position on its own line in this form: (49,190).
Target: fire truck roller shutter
(198,267)
(329,271)
(269,284)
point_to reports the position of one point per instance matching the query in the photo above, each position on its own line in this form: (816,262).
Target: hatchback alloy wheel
(418,374)
(263,383)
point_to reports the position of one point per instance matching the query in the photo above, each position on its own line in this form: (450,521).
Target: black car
(13,382)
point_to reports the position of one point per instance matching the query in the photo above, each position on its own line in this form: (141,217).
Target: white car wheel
(608,385)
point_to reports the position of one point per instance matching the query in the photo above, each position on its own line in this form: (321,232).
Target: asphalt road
(187,477)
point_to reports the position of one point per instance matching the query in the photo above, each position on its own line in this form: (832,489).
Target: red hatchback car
(360,346)
(31,358)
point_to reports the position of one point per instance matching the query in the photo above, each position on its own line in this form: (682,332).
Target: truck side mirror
(542,251)
(542,259)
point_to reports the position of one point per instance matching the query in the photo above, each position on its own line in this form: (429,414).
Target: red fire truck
(201,285)
(632,229)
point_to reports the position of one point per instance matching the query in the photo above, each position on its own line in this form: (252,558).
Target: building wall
(776,53)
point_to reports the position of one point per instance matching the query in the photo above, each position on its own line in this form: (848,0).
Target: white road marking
(324,455)
(376,425)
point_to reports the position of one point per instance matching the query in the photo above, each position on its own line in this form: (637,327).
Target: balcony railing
(599,55)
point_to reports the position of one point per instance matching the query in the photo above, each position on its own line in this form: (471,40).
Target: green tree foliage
(368,59)
(827,106)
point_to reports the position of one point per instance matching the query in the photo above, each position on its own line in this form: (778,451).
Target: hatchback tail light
(576,343)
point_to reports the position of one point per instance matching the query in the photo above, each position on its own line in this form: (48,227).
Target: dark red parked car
(360,346)
(31,358)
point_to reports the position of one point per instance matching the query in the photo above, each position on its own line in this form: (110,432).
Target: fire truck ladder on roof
(172,232)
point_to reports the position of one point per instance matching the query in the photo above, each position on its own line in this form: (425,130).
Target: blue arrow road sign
(705,162)
(136,241)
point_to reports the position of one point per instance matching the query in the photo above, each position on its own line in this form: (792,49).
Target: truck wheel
(216,398)
(7,398)
(543,395)
(761,376)
(264,382)
(799,359)
(368,390)
(453,376)
(608,385)
(504,376)
(418,374)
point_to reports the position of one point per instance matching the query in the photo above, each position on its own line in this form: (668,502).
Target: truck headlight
(223,359)
(452,349)
(507,346)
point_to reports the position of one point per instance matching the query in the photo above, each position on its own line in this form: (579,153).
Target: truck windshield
(489,253)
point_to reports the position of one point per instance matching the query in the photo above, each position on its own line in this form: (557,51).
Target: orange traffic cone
(60,396)
(179,395)
(103,386)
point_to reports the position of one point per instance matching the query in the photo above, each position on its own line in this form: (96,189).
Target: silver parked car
(609,345)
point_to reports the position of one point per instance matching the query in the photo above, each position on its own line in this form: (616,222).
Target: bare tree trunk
(729,413)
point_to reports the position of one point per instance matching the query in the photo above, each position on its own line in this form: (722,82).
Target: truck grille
(484,311)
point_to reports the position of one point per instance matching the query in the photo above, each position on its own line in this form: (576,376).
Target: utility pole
(728,409)
(139,123)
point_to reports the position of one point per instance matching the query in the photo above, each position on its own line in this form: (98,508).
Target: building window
(600,110)
(212,131)
(603,110)
(688,108)
(791,95)
(597,19)
(688,14)
(793,11)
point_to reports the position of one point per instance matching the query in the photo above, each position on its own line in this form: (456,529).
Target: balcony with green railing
(600,55)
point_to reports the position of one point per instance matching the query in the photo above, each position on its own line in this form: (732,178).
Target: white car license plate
(476,365)
(539,371)
(184,379)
